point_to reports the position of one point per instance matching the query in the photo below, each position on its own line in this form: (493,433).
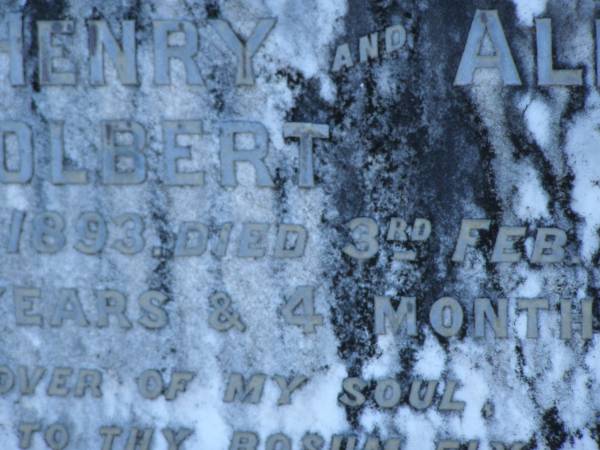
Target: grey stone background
(405,143)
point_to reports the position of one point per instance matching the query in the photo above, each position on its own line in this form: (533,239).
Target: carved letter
(504,250)
(546,250)
(484,310)
(176,437)
(244,50)
(113,151)
(306,132)
(48,52)
(566,314)
(13,45)
(174,152)
(532,306)
(287,389)
(547,75)
(101,39)
(59,174)
(438,313)
(466,236)
(406,313)
(242,440)
(353,395)
(486,21)
(23,134)
(230,156)
(164,52)
(238,390)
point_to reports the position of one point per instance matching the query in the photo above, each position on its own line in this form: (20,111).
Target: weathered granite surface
(405,142)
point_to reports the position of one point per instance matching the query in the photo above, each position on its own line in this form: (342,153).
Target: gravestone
(322,225)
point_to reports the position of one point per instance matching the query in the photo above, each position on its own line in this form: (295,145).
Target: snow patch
(528,9)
